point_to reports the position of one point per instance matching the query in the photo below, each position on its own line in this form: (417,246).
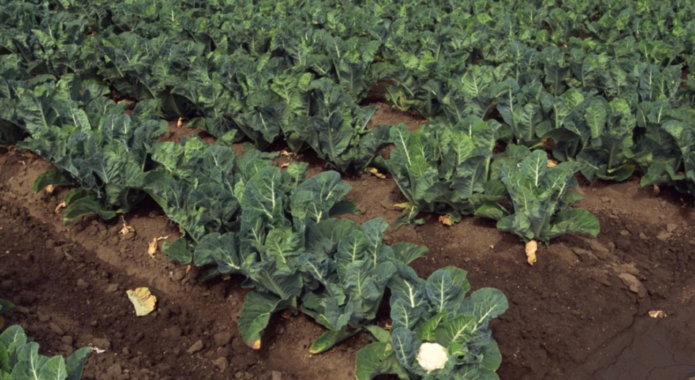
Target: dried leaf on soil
(60,206)
(531,248)
(125,229)
(657,314)
(152,248)
(656,189)
(179,123)
(49,189)
(552,163)
(143,300)
(446,220)
(375,172)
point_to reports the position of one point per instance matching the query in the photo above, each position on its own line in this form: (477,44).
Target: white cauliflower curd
(432,356)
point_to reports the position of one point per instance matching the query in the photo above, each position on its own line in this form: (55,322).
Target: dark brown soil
(571,316)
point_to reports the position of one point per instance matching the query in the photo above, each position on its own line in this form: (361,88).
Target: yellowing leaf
(143,301)
(179,123)
(531,248)
(403,206)
(552,163)
(49,189)
(256,345)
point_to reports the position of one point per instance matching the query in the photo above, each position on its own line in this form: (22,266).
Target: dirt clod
(82,284)
(633,284)
(195,347)
(222,363)
(222,338)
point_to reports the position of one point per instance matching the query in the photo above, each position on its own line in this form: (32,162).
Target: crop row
(275,227)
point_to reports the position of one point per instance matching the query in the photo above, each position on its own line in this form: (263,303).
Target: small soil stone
(82,284)
(196,347)
(102,343)
(664,235)
(56,329)
(114,372)
(633,284)
(221,363)
(222,338)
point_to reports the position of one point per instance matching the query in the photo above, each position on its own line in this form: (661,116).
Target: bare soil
(582,312)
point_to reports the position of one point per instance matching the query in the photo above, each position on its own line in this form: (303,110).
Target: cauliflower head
(432,356)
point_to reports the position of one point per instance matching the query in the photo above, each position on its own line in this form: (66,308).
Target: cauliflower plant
(432,356)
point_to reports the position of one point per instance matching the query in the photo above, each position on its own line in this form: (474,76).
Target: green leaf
(178,251)
(53,369)
(492,357)
(76,362)
(5,306)
(255,316)
(408,252)
(378,359)
(485,304)
(404,345)
(379,334)
(51,177)
(491,210)
(329,339)
(427,330)
(575,221)
(457,329)
(86,206)
(572,197)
